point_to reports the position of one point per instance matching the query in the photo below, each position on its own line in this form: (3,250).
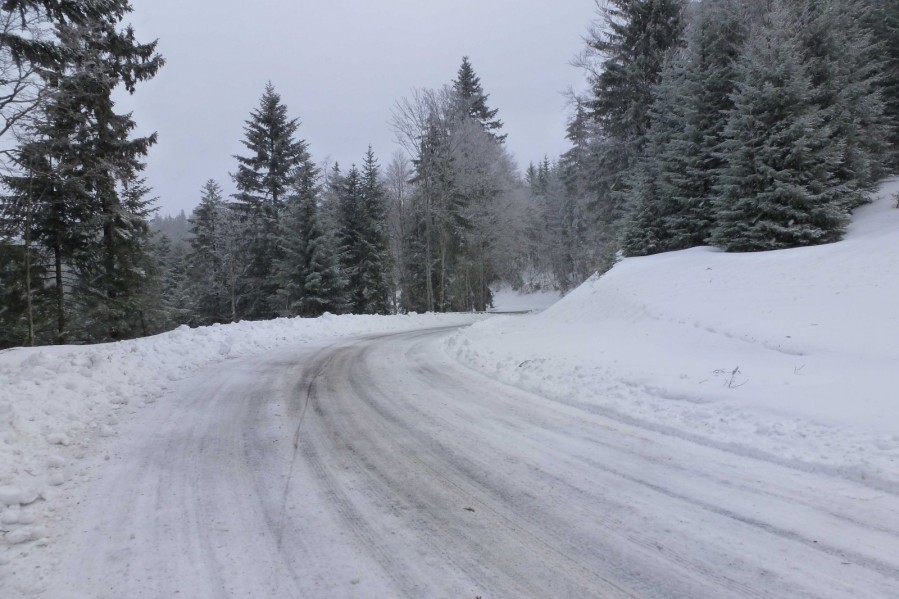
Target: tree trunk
(60,296)
(29,306)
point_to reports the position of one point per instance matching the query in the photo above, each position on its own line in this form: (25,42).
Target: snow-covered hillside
(794,354)
(57,404)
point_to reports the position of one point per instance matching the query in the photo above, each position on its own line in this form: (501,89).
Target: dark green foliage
(467,86)
(632,44)
(262,180)
(78,180)
(117,287)
(847,69)
(364,251)
(883,20)
(778,189)
(208,281)
(15,329)
(671,205)
(307,271)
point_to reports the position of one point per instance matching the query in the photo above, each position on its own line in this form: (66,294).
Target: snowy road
(382,468)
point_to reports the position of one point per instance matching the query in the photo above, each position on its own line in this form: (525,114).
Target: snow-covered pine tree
(778,188)
(585,242)
(262,180)
(846,68)
(351,237)
(91,149)
(175,305)
(674,184)
(629,46)
(118,282)
(376,263)
(205,262)
(467,86)
(307,270)
(324,287)
(883,22)
(631,42)
(651,197)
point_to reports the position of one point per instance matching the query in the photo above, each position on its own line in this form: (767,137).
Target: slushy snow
(57,404)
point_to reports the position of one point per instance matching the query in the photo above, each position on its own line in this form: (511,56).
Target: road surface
(380,467)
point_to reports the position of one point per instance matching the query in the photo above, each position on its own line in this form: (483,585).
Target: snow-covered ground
(792,354)
(59,404)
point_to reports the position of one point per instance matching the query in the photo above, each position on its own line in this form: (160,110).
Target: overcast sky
(340,66)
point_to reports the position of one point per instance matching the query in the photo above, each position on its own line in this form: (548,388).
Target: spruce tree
(467,86)
(262,180)
(80,166)
(307,270)
(846,68)
(376,277)
(351,237)
(883,22)
(205,262)
(632,44)
(674,185)
(778,188)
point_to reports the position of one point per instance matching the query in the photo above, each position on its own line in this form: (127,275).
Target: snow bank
(57,402)
(790,354)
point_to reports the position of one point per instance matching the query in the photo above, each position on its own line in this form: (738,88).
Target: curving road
(380,467)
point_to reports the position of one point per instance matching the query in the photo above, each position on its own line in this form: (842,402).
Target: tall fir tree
(847,69)
(467,86)
(883,22)
(307,271)
(205,262)
(81,168)
(262,180)
(632,43)
(351,237)
(672,201)
(778,188)
(376,277)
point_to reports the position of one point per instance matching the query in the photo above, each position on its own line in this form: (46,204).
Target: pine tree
(262,180)
(674,185)
(467,86)
(78,164)
(846,68)
(632,45)
(883,22)
(307,272)
(351,237)
(205,262)
(777,189)
(117,279)
(376,277)
(173,302)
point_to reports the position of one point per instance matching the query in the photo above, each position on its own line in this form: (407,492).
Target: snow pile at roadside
(791,354)
(56,402)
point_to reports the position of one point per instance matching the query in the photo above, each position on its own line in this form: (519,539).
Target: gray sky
(339,66)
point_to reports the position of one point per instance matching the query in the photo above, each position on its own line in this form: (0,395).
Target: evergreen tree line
(291,242)
(426,234)
(748,126)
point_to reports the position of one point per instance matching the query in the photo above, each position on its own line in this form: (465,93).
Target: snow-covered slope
(58,403)
(791,353)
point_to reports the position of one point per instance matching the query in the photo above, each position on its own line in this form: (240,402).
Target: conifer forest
(748,126)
